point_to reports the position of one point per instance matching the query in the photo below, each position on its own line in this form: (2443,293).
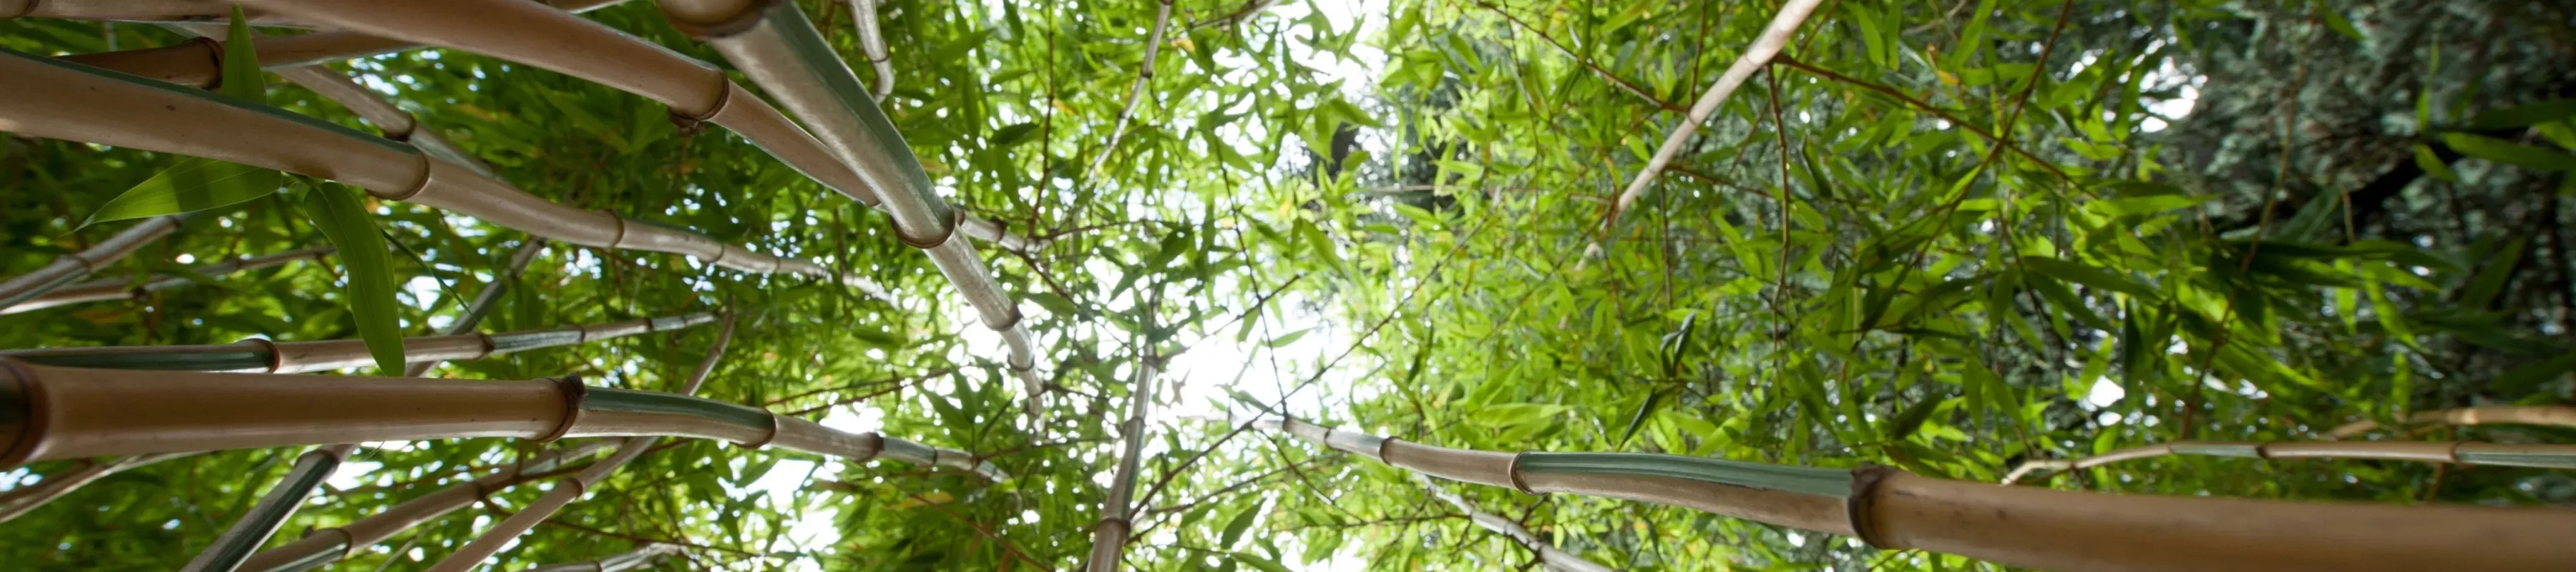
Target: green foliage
(366,266)
(1943,237)
(196,184)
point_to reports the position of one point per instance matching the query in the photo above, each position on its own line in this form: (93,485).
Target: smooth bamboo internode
(324,546)
(69,268)
(266,356)
(2020,526)
(1109,535)
(2456,452)
(21,500)
(2546,415)
(65,413)
(126,288)
(71,102)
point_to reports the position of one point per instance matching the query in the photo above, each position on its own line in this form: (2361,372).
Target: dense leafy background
(1377,215)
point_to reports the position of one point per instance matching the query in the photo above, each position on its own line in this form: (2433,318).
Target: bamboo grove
(1286,284)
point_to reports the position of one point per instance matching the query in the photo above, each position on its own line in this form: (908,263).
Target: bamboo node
(1005,326)
(1857,507)
(949,231)
(276,358)
(28,433)
(348,542)
(1512,469)
(573,392)
(720,27)
(765,438)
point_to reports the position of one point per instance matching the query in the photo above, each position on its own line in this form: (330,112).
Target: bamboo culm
(69,268)
(125,287)
(2021,526)
(618,563)
(1136,91)
(21,500)
(311,468)
(533,34)
(575,486)
(863,13)
(1756,56)
(323,546)
(265,356)
(2455,452)
(391,121)
(66,413)
(1555,560)
(1109,535)
(782,52)
(2548,415)
(77,103)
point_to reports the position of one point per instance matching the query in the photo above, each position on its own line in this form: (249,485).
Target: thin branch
(1145,73)
(1755,57)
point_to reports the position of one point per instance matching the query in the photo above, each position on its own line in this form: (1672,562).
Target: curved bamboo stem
(392,121)
(1109,535)
(68,268)
(1757,55)
(1548,555)
(265,356)
(179,11)
(199,62)
(2456,452)
(311,468)
(124,288)
(2021,526)
(21,500)
(619,563)
(780,51)
(66,101)
(2551,415)
(326,545)
(1136,91)
(66,413)
(872,42)
(531,34)
(575,486)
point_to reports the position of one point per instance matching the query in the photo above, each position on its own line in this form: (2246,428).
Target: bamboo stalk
(1549,556)
(619,563)
(124,288)
(67,101)
(330,544)
(872,42)
(780,51)
(21,500)
(192,10)
(2455,452)
(2551,415)
(1109,535)
(199,63)
(1136,91)
(68,413)
(1756,55)
(2020,526)
(534,35)
(392,121)
(65,269)
(265,356)
(238,542)
(574,486)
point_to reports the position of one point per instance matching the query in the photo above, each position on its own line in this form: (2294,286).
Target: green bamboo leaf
(2510,153)
(367,265)
(1912,418)
(196,184)
(1013,134)
(1256,561)
(1637,420)
(1242,522)
(2527,379)
(2525,115)
(2088,275)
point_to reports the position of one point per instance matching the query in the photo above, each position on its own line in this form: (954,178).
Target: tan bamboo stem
(69,102)
(2020,526)
(2456,452)
(574,486)
(328,355)
(872,42)
(329,544)
(69,413)
(21,500)
(392,121)
(534,35)
(1136,91)
(192,10)
(1549,556)
(1757,55)
(1109,535)
(71,267)
(2551,415)
(775,46)
(199,62)
(618,563)
(124,288)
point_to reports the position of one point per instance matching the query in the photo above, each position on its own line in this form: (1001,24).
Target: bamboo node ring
(348,542)
(1006,325)
(620,240)
(691,124)
(276,358)
(29,433)
(427,174)
(956,217)
(573,391)
(1513,470)
(1857,507)
(765,438)
(722,27)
